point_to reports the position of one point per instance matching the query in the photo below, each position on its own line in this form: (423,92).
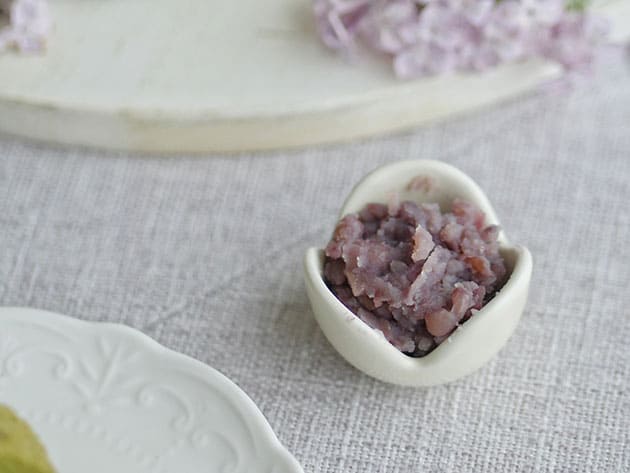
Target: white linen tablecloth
(204,255)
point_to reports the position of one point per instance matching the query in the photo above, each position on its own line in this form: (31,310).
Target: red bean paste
(413,272)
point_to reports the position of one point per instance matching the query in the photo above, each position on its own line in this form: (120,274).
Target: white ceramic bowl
(474,342)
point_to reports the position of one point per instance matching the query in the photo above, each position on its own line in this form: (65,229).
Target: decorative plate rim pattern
(122,346)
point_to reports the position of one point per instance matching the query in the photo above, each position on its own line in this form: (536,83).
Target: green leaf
(577,5)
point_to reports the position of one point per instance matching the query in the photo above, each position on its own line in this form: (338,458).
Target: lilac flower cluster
(24,24)
(430,37)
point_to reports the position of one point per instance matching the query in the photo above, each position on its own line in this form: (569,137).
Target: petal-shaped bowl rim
(387,363)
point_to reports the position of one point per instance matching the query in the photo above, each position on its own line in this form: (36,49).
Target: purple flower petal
(430,37)
(28,27)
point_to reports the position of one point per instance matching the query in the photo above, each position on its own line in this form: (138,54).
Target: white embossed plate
(105,398)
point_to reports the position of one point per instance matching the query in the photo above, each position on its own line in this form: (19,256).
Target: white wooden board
(220,75)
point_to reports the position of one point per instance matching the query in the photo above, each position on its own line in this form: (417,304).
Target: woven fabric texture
(204,255)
